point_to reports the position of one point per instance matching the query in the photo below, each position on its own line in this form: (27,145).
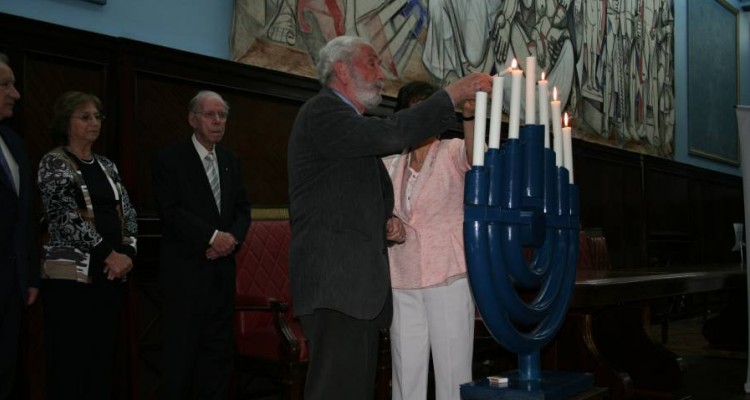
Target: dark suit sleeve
(33,264)
(342,133)
(25,231)
(241,221)
(186,225)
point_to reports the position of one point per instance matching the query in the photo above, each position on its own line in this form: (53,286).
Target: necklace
(89,162)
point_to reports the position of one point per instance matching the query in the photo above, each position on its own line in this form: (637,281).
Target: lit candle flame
(542,75)
(514,64)
(565,119)
(508,70)
(554,93)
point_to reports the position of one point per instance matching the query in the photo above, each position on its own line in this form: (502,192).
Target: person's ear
(192,119)
(342,73)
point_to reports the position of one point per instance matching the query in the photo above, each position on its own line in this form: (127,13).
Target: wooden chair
(593,253)
(269,339)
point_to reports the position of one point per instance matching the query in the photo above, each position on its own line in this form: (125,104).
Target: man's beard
(369,95)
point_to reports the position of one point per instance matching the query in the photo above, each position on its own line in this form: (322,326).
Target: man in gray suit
(19,265)
(340,199)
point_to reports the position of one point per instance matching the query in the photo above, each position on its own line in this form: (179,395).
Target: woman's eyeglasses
(90,117)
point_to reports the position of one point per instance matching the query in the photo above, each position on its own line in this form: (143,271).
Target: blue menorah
(521,200)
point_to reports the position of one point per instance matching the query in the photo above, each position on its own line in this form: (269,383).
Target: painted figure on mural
(612,62)
(283,25)
(652,25)
(288,34)
(626,72)
(457,37)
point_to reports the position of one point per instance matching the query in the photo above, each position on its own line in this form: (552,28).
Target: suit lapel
(224,178)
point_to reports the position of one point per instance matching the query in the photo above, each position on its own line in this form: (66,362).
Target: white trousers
(440,319)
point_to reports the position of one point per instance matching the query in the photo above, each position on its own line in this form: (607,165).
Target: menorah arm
(498,301)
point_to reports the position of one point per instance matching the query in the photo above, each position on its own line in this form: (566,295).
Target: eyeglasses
(90,117)
(212,114)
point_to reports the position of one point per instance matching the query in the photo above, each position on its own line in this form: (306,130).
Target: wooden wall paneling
(633,232)
(671,236)
(75,60)
(258,132)
(160,119)
(611,198)
(49,60)
(716,208)
(125,119)
(46,77)
(723,211)
(691,211)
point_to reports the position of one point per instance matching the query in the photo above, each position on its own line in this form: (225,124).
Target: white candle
(515,102)
(480,120)
(556,128)
(568,149)
(496,111)
(530,105)
(544,108)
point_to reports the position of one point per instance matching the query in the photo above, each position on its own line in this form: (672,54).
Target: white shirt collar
(346,100)
(202,151)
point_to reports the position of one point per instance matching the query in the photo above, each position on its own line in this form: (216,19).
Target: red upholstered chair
(269,339)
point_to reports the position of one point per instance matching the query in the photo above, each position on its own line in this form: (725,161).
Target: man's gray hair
(202,95)
(4,59)
(342,48)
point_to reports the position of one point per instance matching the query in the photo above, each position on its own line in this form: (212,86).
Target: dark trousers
(81,323)
(343,354)
(198,346)
(11,309)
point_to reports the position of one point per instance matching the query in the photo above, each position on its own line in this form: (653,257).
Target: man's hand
(395,231)
(223,245)
(467,87)
(33,294)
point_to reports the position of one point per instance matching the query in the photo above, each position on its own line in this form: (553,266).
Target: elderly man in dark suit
(205,212)
(340,199)
(19,266)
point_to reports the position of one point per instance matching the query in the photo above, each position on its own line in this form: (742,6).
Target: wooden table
(607,328)
(607,288)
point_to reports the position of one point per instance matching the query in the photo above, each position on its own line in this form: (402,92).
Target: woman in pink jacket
(433,309)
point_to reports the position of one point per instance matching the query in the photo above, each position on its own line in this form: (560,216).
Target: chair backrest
(262,268)
(593,253)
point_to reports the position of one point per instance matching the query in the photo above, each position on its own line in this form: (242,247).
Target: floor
(712,373)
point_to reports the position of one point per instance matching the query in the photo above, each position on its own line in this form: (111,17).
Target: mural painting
(612,61)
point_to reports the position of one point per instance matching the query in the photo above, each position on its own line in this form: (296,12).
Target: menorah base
(553,385)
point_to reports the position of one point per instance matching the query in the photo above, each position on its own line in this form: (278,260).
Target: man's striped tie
(213,178)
